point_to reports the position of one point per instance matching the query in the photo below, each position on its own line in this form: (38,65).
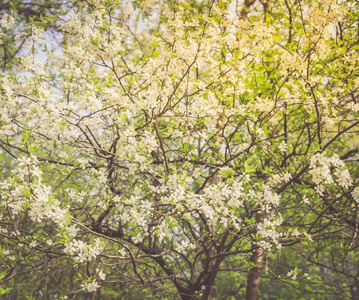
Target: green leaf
(131,79)
(156,53)
(248,169)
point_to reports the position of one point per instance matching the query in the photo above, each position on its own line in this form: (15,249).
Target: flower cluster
(81,251)
(321,171)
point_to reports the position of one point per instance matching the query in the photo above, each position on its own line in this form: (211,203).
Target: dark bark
(254,275)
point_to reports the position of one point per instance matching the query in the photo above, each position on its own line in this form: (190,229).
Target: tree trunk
(209,293)
(254,275)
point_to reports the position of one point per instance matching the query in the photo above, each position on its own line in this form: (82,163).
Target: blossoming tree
(165,145)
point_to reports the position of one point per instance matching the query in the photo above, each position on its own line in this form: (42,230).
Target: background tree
(181,150)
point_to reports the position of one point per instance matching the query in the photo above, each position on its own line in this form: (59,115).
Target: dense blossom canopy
(164,145)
